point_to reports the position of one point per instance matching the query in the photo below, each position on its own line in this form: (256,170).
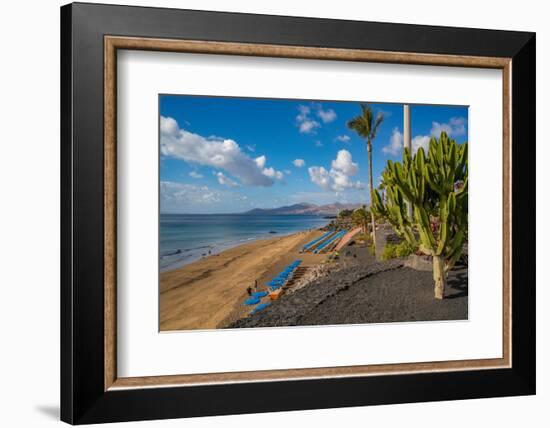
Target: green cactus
(437,187)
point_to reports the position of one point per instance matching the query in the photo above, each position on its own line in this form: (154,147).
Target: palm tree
(366,126)
(361,217)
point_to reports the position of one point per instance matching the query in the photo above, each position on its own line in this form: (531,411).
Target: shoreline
(209,293)
(222,247)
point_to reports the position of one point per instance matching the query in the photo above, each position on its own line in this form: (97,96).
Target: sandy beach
(209,293)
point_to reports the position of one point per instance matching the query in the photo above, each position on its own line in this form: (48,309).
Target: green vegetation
(403,249)
(437,188)
(345,213)
(366,126)
(363,237)
(361,217)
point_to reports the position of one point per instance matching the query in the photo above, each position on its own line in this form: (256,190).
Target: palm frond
(357,124)
(379,120)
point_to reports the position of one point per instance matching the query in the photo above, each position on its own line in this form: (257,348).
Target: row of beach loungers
(312,244)
(328,241)
(332,240)
(325,242)
(275,284)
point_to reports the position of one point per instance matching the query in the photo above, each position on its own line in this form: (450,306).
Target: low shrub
(364,237)
(388,252)
(403,249)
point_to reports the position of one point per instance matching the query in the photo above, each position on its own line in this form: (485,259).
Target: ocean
(185,238)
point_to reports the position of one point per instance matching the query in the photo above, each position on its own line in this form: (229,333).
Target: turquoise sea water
(185,238)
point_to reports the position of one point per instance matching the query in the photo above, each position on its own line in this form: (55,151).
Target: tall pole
(407,141)
(373,222)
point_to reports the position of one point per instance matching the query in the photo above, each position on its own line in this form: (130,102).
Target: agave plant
(437,187)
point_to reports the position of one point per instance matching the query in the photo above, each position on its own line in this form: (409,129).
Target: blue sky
(228,155)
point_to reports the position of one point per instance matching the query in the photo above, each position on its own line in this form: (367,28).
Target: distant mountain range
(304,208)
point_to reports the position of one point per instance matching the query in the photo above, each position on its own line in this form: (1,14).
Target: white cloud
(305,123)
(178,194)
(221,154)
(195,174)
(343,138)
(268,172)
(225,181)
(459,125)
(326,116)
(320,176)
(438,128)
(168,126)
(344,163)
(260,161)
(305,119)
(337,179)
(287,171)
(420,141)
(395,145)
(342,182)
(196,198)
(251,147)
(455,128)
(272,173)
(308,126)
(298,163)
(304,112)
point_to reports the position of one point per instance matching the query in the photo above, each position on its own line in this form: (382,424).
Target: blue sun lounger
(260,294)
(315,241)
(279,280)
(259,308)
(252,301)
(329,241)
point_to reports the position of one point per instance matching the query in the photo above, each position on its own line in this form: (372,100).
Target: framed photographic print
(266,213)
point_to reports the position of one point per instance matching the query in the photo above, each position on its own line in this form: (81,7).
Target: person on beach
(253,288)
